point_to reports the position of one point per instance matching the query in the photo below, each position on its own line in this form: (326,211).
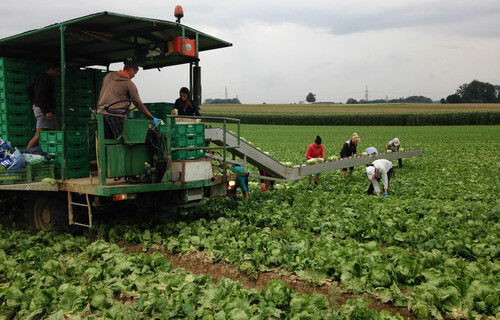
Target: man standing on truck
(41,93)
(118,86)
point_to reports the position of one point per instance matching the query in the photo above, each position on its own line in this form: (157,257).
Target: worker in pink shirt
(315,150)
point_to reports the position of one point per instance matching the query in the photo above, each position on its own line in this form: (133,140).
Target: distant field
(223,109)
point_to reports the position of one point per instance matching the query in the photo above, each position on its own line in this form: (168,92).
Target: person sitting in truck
(41,93)
(241,181)
(185,105)
(348,150)
(393,145)
(118,86)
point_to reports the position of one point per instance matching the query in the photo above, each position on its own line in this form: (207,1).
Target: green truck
(154,168)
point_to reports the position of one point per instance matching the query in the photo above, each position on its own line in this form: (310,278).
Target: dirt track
(199,264)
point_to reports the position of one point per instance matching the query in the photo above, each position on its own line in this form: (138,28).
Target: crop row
(371,119)
(56,276)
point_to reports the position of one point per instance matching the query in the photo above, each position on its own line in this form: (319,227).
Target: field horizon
(331,108)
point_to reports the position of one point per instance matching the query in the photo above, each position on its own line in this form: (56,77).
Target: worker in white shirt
(379,169)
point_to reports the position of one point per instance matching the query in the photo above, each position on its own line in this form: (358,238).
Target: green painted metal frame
(206,119)
(164,184)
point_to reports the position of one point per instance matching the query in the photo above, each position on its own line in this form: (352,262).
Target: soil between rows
(198,263)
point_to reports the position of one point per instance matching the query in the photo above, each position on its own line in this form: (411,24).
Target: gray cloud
(285,48)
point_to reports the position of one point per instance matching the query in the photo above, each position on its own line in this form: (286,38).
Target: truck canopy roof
(104,38)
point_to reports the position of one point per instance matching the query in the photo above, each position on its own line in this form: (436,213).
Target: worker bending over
(393,145)
(379,169)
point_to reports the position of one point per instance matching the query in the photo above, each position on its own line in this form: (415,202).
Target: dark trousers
(113,126)
(389,175)
(400,162)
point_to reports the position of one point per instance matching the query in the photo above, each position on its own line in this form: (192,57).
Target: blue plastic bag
(5,145)
(5,159)
(18,161)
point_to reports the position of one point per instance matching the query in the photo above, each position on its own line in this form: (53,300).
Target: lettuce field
(431,248)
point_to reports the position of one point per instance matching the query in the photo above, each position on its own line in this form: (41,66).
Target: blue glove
(378,194)
(386,195)
(155,121)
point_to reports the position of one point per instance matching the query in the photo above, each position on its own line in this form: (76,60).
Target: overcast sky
(284,49)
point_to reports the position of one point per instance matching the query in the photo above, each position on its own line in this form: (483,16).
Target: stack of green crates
(185,135)
(82,93)
(157,109)
(16,115)
(77,157)
(80,98)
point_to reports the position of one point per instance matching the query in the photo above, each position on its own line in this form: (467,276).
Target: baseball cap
(370,172)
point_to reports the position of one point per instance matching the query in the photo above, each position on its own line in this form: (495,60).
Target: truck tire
(47,212)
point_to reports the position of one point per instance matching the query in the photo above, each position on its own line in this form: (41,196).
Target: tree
(311,97)
(454,98)
(352,101)
(477,92)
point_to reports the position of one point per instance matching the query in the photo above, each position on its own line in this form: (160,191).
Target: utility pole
(226,92)
(366,93)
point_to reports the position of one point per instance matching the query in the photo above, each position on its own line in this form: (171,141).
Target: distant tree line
(475,92)
(371,119)
(222,101)
(412,99)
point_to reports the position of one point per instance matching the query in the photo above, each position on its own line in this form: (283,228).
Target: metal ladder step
(71,203)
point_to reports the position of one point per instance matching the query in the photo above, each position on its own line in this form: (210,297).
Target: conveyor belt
(277,170)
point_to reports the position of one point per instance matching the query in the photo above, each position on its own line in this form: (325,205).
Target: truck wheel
(48,213)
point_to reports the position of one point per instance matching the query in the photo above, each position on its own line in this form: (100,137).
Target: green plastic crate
(72,172)
(19,141)
(20,129)
(188,154)
(15,106)
(188,141)
(13,176)
(56,137)
(71,161)
(56,149)
(26,175)
(12,64)
(9,75)
(42,171)
(17,117)
(11,84)
(191,129)
(13,96)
